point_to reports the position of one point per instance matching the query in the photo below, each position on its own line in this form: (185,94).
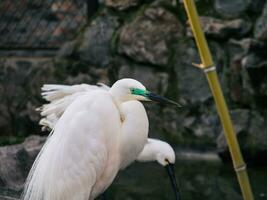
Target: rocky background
(42,24)
(152,42)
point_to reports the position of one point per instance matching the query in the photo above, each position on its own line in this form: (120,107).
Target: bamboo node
(209,69)
(241,168)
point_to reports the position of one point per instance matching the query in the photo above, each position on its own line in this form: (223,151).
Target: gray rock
(252,61)
(184,127)
(67,50)
(250,128)
(192,84)
(205,126)
(16,161)
(230,8)
(256,6)
(196,130)
(94,75)
(122,4)
(249,45)
(239,83)
(260,29)
(153,80)
(256,66)
(11,195)
(95,43)
(150,36)
(224,29)
(21,80)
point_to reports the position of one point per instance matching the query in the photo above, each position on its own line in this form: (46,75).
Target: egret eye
(132,90)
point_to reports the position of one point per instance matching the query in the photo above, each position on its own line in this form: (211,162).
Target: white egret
(95,134)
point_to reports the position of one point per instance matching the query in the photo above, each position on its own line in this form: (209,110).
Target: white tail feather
(53,92)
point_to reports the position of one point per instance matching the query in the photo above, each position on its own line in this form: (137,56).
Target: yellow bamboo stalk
(210,70)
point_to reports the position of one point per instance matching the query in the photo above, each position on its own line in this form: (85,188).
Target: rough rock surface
(122,4)
(21,80)
(250,128)
(198,90)
(260,30)
(230,8)
(150,36)
(16,161)
(95,43)
(223,29)
(240,87)
(145,74)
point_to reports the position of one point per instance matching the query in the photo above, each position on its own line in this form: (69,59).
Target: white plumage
(89,143)
(60,97)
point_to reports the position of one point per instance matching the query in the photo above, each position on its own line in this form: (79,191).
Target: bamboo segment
(198,33)
(209,68)
(238,162)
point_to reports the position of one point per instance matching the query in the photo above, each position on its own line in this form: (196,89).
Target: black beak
(154,97)
(171,173)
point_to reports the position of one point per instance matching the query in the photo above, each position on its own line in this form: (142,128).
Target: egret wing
(76,154)
(52,92)
(60,97)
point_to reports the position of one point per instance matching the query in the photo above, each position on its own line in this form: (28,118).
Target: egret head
(130,89)
(166,158)
(163,153)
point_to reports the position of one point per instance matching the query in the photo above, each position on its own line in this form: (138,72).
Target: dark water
(201,179)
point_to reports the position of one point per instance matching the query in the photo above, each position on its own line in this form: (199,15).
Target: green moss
(114,42)
(4,141)
(206,7)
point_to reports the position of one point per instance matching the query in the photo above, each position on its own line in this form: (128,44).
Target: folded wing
(83,146)
(59,98)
